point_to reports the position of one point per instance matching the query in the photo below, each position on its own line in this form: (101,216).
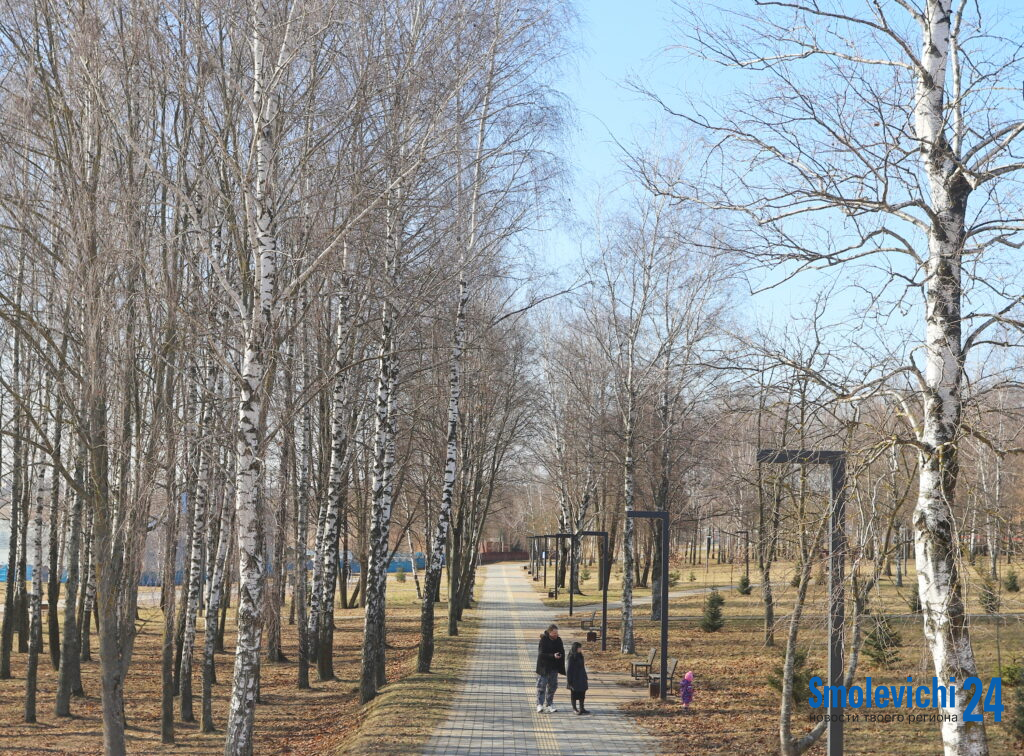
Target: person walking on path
(550,664)
(576,677)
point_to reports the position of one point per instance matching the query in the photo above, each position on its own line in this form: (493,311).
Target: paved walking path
(494,711)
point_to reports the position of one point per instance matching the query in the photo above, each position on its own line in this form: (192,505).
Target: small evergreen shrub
(795,582)
(744,586)
(400,574)
(914,601)
(989,596)
(673,579)
(1016,718)
(692,578)
(1011,583)
(712,620)
(1012,674)
(802,675)
(882,643)
(584,575)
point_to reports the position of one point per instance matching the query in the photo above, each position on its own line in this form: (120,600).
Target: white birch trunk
(337,484)
(628,644)
(301,511)
(372,663)
(936,550)
(35,640)
(589,492)
(212,609)
(239,740)
(432,578)
(199,506)
(89,592)
(316,583)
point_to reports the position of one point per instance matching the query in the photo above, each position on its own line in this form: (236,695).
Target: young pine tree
(712,620)
(882,643)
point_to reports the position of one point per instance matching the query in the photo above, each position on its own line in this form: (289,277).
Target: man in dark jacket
(550,664)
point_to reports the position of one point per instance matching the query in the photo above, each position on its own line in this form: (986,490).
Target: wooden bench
(587,623)
(654,676)
(638,670)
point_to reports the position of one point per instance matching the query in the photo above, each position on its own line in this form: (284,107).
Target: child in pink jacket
(686,690)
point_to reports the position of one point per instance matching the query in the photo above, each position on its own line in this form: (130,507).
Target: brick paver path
(494,710)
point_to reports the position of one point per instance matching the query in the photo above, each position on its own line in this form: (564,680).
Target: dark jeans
(546,685)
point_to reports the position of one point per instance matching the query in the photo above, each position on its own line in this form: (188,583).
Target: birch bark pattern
(432,579)
(301,510)
(629,486)
(322,619)
(227,519)
(372,662)
(936,549)
(195,575)
(239,740)
(35,640)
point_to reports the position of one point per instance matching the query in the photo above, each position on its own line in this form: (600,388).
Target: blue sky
(618,41)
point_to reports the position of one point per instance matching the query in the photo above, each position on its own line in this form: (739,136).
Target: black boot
(574,706)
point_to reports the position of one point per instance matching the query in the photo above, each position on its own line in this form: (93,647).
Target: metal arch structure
(836,460)
(544,553)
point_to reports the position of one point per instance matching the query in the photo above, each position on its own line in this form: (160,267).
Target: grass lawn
(288,720)
(402,718)
(736,711)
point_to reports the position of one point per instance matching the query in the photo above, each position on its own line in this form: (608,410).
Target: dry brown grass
(736,711)
(287,721)
(402,718)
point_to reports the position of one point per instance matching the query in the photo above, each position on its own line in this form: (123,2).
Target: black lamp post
(605,557)
(746,552)
(663,517)
(837,555)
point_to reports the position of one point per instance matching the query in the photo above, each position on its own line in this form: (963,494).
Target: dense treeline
(253,255)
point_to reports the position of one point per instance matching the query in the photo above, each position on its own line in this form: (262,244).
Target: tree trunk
(239,740)
(227,518)
(10,612)
(936,549)
(53,587)
(69,674)
(21,597)
(301,511)
(628,645)
(182,612)
(36,619)
(199,507)
(88,598)
(372,662)
(167,650)
(432,578)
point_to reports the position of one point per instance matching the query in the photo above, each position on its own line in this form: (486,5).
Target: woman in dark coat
(576,678)
(550,664)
